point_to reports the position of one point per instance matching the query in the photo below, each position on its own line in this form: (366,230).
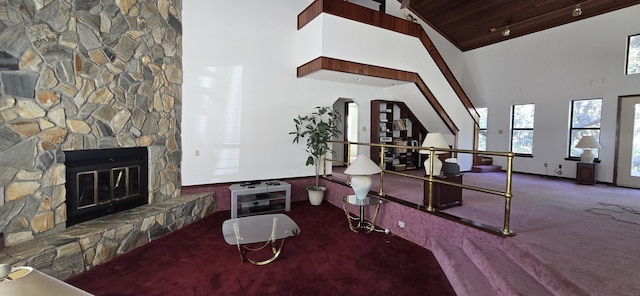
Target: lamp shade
(25,281)
(588,142)
(363,165)
(435,140)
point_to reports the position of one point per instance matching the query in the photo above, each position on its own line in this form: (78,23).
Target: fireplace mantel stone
(88,244)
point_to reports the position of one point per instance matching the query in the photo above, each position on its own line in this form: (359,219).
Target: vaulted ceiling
(471,24)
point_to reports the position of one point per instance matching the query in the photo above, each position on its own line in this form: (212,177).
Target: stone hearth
(88,244)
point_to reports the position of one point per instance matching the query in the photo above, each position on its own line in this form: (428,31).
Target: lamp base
(587,156)
(361,185)
(437,166)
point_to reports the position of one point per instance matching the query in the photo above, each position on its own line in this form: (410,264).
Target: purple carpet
(571,239)
(325,259)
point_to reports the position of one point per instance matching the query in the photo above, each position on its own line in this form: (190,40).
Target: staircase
(481,268)
(483,164)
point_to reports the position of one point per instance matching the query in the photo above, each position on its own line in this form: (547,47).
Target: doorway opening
(627,171)
(349,111)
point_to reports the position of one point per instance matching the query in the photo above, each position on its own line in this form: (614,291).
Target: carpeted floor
(325,259)
(587,235)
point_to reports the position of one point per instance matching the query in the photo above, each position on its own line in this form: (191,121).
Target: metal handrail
(507,193)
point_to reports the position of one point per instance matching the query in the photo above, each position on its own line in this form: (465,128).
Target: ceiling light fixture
(576,10)
(506,32)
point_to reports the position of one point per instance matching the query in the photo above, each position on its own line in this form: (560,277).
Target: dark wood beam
(331,64)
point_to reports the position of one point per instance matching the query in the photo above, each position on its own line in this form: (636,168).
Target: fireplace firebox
(105,181)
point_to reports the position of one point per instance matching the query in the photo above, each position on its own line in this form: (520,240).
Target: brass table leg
(244,249)
(362,224)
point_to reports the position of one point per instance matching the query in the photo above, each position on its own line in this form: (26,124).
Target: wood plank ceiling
(471,24)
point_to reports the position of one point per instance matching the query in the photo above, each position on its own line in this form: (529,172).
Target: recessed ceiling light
(506,32)
(577,11)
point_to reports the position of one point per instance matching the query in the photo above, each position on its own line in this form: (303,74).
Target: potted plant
(319,128)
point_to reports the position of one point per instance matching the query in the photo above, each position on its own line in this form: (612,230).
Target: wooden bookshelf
(393,123)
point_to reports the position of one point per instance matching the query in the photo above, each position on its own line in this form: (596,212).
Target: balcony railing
(428,205)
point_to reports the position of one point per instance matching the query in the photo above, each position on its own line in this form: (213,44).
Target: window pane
(482,140)
(482,132)
(523,116)
(586,113)
(633,55)
(585,120)
(522,141)
(483,117)
(576,135)
(635,150)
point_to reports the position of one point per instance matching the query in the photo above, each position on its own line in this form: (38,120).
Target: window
(522,128)
(585,121)
(635,150)
(633,55)
(482,131)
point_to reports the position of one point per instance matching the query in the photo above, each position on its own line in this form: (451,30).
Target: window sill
(578,159)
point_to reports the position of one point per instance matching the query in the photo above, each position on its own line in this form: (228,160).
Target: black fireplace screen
(105,181)
(106,186)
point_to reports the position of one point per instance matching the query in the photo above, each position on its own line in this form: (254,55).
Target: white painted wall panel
(241,92)
(581,60)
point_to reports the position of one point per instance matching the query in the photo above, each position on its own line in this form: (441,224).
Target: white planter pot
(316,196)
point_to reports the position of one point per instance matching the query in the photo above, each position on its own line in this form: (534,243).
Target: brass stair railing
(507,193)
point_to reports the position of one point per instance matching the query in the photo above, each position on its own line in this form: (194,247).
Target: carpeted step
(552,279)
(462,273)
(505,275)
(486,168)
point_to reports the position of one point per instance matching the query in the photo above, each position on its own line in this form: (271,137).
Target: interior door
(628,163)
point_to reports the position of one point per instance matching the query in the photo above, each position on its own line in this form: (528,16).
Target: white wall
(581,60)
(449,52)
(241,92)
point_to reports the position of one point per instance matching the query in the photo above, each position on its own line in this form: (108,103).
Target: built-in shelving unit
(393,123)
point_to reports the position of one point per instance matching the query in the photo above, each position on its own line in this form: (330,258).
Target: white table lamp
(359,170)
(435,140)
(26,281)
(588,143)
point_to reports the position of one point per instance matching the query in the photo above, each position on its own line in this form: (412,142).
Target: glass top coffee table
(363,225)
(265,229)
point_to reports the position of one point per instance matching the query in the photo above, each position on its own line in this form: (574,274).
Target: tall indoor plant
(319,128)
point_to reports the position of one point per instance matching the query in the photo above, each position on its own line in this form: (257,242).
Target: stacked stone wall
(86,245)
(84,74)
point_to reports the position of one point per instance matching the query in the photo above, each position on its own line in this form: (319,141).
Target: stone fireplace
(105,181)
(89,76)
(84,75)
